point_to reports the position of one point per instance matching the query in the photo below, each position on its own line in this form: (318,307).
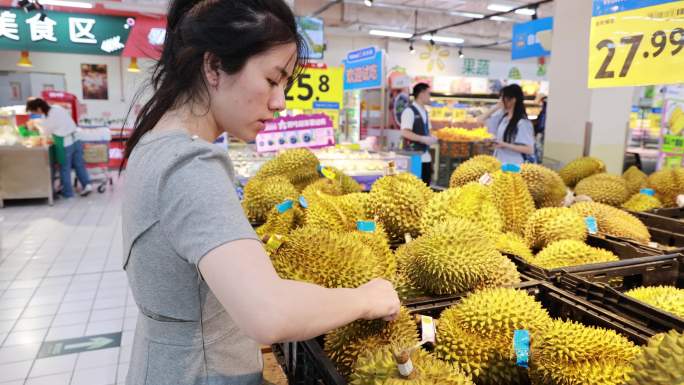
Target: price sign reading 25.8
(639,46)
(316,88)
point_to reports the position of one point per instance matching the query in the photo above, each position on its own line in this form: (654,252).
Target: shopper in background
(415,128)
(205,287)
(508,122)
(540,128)
(58,122)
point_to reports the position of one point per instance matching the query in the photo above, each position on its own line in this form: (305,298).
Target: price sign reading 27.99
(632,46)
(316,88)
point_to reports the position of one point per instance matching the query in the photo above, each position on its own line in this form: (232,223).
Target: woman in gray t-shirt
(508,122)
(205,287)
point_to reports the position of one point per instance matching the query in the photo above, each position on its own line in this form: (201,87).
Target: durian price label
(636,42)
(303,202)
(647,191)
(428,329)
(317,88)
(283,207)
(592,225)
(521,347)
(366,226)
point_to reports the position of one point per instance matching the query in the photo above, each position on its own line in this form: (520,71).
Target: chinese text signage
(301,131)
(63,32)
(532,39)
(636,42)
(316,88)
(363,69)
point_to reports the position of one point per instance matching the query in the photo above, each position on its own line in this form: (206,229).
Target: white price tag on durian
(428,329)
(486,179)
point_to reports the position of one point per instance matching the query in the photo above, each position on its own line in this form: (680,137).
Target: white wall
(122,84)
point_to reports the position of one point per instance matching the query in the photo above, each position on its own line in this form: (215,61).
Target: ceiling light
(526,11)
(499,18)
(63,3)
(499,7)
(397,34)
(369,3)
(443,39)
(24,60)
(133,66)
(469,14)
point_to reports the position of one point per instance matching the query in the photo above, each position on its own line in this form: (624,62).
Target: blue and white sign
(606,7)
(532,39)
(363,69)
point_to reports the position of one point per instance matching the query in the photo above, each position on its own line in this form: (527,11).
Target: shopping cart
(96,141)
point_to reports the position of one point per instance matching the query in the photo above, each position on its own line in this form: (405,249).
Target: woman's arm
(482,119)
(521,148)
(270,309)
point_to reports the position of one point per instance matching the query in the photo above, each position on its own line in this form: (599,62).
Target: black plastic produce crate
(621,248)
(666,232)
(605,287)
(311,366)
(674,212)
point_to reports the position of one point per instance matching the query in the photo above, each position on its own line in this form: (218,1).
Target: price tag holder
(366,226)
(592,225)
(521,346)
(632,45)
(283,207)
(317,88)
(510,167)
(647,191)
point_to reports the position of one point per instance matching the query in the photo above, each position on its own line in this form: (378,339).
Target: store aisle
(60,282)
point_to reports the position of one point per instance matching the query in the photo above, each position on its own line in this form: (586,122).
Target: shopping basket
(96,142)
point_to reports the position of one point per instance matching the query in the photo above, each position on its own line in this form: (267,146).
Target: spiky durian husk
(281,223)
(299,166)
(613,221)
(545,185)
(571,253)
(635,179)
(667,298)
(514,244)
(604,188)
(581,168)
(661,362)
(552,224)
(642,202)
(398,202)
(472,169)
(263,194)
(667,183)
(513,200)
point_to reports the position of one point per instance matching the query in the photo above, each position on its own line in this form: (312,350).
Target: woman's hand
(381,299)
(501,145)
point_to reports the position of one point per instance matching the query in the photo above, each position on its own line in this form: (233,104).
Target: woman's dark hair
(509,92)
(232,30)
(418,88)
(37,104)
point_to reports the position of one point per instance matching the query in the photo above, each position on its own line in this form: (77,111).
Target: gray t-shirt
(179,204)
(496,125)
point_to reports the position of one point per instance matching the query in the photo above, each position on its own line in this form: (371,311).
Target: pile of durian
(667,298)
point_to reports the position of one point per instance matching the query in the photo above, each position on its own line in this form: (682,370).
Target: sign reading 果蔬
(363,69)
(636,42)
(63,32)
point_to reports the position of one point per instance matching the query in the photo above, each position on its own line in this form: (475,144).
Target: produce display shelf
(605,287)
(309,365)
(623,249)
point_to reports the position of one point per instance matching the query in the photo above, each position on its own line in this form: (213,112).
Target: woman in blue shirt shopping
(508,122)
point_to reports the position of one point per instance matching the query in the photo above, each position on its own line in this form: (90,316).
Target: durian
(380,368)
(398,202)
(473,202)
(552,224)
(324,185)
(570,353)
(345,344)
(661,362)
(336,213)
(545,185)
(263,194)
(281,223)
(667,183)
(613,221)
(642,202)
(334,182)
(571,253)
(455,257)
(667,298)
(604,188)
(513,244)
(472,169)
(513,200)
(581,168)
(477,333)
(299,166)
(439,208)
(635,179)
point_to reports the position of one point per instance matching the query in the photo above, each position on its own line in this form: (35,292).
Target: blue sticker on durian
(366,226)
(592,225)
(647,191)
(510,167)
(283,207)
(521,347)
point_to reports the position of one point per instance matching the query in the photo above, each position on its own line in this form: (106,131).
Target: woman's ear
(210,67)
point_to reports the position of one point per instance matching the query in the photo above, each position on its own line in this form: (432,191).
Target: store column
(572,105)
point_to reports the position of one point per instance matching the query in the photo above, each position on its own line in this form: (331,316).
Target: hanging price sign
(317,88)
(636,42)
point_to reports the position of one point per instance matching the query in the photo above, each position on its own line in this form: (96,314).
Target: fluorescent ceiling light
(63,3)
(526,11)
(400,35)
(443,39)
(499,18)
(469,14)
(499,7)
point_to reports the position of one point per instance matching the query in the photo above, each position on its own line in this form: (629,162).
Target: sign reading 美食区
(63,32)
(636,42)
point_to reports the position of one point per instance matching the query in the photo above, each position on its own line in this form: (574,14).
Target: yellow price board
(633,44)
(317,88)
